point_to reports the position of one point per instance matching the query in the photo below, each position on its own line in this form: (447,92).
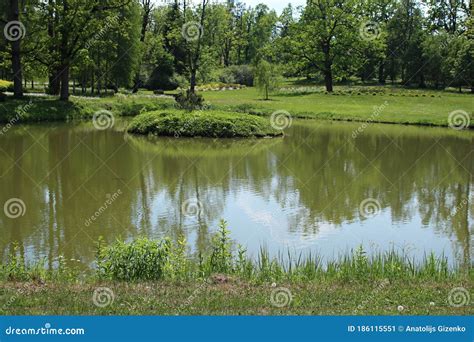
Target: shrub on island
(215,124)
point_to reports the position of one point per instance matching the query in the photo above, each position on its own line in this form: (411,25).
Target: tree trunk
(422,83)
(53,77)
(327,67)
(16,52)
(328,80)
(192,83)
(64,96)
(53,81)
(65,62)
(382,73)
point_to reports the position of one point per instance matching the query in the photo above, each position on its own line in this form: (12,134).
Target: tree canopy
(109,44)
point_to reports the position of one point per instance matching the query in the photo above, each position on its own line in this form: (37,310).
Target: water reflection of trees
(317,174)
(408,170)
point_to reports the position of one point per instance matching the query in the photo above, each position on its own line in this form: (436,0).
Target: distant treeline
(96,45)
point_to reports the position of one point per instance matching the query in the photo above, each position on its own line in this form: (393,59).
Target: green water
(304,192)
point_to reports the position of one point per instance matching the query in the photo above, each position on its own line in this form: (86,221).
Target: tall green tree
(325,36)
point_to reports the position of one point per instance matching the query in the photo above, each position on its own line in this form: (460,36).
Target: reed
(149,260)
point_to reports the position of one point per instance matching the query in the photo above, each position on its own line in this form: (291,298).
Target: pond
(324,188)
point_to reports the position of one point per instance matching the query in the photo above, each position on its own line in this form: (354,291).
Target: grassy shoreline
(369,104)
(159,277)
(233,297)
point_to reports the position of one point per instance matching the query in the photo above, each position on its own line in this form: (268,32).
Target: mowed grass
(35,109)
(376,104)
(360,103)
(232,297)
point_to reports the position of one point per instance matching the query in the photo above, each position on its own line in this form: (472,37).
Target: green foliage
(220,259)
(189,100)
(240,74)
(163,75)
(267,78)
(201,123)
(17,269)
(145,259)
(142,259)
(6,86)
(51,109)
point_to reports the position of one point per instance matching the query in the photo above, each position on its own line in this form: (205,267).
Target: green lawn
(394,105)
(374,104)
(229,296)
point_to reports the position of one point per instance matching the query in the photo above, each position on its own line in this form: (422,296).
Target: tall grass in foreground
(146,260)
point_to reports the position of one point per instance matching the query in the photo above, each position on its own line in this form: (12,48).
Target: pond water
(325,187)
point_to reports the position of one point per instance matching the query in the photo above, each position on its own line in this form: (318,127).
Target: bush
(189,101)
(143,259)
(202,124)
(162,77)
(5,86)
(240,74)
